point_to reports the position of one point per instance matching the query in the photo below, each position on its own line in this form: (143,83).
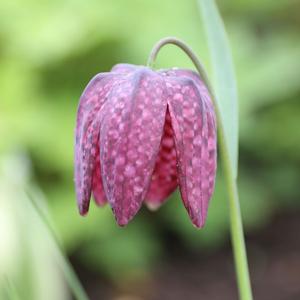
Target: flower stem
(236,227)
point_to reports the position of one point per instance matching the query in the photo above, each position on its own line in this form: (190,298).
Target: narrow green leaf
(67,269)
(10,291)
(224,82)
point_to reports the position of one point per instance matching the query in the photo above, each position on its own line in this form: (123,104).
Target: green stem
(236,227)
(68,271)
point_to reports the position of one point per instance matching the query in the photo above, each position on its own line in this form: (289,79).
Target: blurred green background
(49,50)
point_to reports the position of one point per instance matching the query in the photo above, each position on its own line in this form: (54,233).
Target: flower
(141,133)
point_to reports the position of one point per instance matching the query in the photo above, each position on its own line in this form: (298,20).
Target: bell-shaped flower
(141,133)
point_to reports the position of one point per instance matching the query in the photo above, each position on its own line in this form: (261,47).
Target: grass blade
(224,82)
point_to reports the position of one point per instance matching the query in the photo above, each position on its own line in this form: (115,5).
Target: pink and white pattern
(139,135)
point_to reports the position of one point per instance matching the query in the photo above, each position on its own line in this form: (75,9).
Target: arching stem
(190,53)
(236,227)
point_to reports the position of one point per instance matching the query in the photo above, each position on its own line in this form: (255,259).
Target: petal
(195,140)
(189,74)
(87,137)
(124,68)
(131,130)
(164,178)
(97,187)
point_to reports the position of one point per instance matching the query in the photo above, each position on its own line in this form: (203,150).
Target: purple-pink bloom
(141,133)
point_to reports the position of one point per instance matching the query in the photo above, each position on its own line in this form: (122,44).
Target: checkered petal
(193,122)
(131,130)
(87,162)
(164,178)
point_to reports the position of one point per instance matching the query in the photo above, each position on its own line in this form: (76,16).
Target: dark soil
(274,259)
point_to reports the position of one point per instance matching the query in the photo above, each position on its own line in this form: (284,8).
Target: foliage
(48,52)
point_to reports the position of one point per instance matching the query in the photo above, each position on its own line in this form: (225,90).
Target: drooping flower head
(141,133)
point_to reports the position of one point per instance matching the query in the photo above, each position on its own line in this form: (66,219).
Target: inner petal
(164,177)
(97,187)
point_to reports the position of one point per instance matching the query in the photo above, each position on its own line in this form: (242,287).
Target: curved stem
(236,226)
(190,53)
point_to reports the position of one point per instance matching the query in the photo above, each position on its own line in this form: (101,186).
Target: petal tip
(121,218)
(83,205)
(152,206)
(83,211)
(122,222)
(100,203)
(199,223)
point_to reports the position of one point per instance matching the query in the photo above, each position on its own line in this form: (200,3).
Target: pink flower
(139,135)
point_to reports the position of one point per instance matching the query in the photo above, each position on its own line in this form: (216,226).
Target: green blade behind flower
(224,82)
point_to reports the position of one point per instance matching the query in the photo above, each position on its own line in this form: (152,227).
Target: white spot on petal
(129,171)
(178,97)
(198,140)
(137,190)
(120,160)
(196,161)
